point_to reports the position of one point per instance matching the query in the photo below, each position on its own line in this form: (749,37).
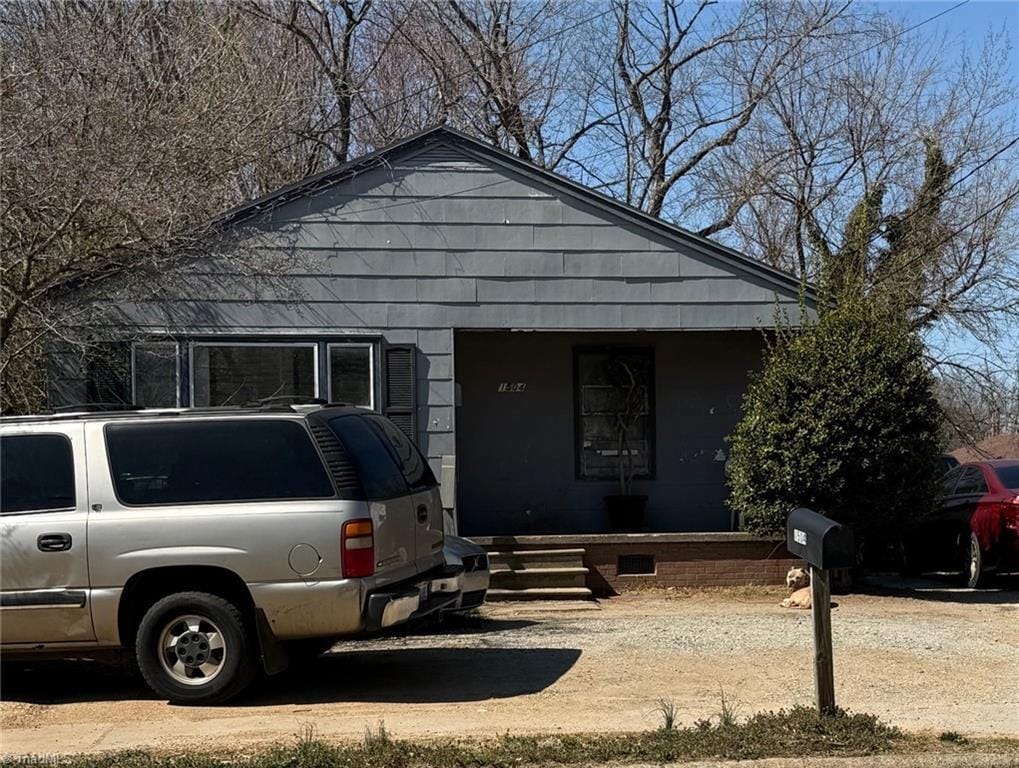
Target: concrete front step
(538,574)
(540,593)
(513,578)
(541,558)
(532,552)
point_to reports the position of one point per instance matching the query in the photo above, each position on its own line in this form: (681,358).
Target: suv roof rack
(121,410)
(268,402)
(96,408)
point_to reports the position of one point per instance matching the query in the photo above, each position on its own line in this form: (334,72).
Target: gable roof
(479,150)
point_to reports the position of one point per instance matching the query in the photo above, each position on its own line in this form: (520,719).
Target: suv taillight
(357,549)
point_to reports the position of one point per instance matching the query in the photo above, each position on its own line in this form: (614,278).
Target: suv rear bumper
(436,590)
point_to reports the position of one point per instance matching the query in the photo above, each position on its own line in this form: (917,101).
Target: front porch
(532,452)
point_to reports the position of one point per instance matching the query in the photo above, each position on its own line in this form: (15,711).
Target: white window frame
(176,365)
(370,346)
(277,344)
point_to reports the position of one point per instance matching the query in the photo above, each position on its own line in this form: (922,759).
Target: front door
(43,548)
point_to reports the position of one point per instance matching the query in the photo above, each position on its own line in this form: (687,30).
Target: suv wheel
(195,648)
(975,575)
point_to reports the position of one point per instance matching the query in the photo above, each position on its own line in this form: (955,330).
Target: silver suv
(213,543)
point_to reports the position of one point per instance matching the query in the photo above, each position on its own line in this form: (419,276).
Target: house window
(236,373)
(89,372)
(155,373)
(615,413)
(351,370)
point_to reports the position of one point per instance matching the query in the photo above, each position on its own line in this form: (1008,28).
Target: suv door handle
(54,542)
(422,514)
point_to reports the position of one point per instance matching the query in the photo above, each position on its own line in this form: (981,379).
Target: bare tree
(687,80)
(892,172)
(332,33)
(126,128)
(979,402)
(517,74)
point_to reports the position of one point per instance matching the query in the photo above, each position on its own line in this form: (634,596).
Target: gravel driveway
(940,660)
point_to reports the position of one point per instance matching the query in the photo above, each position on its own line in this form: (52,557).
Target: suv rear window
(381,477)
(1009,476)
(36,473)
(214,461)
(415,467)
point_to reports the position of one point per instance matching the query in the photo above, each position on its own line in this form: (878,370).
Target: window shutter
(399,399)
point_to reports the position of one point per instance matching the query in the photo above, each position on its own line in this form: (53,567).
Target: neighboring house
(484,304)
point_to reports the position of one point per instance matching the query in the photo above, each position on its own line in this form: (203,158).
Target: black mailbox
(820,541)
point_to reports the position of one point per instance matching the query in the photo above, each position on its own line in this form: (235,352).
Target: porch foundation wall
(680,560)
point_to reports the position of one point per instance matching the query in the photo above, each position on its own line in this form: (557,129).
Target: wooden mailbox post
(825,545)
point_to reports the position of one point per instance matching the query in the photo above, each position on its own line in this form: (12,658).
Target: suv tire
(195,648)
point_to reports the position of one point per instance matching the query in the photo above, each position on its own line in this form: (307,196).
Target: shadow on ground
(418,675)
(944,589)
(366,672)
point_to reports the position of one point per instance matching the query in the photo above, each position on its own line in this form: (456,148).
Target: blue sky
(966,26)
(970,22)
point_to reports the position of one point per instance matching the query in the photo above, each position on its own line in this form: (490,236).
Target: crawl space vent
(636,565)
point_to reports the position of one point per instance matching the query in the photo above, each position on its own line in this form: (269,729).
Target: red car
(975,523)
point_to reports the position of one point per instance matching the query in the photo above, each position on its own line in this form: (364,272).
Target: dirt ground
(931,659)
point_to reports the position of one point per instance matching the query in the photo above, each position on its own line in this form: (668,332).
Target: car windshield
(1009,476)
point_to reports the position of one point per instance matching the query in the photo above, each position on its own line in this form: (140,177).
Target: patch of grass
(953,737)
(787,733)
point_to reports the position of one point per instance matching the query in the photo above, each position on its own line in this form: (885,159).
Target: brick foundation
(680,559)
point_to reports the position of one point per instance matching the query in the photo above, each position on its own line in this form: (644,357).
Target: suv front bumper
(435,591)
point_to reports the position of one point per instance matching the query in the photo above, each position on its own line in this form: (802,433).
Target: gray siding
(439,239)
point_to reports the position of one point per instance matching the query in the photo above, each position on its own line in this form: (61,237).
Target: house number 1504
(512,386)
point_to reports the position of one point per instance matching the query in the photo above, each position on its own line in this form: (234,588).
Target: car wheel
(975,575)
(195,648)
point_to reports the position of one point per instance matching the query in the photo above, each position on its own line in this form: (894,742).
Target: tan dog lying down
(798,580)
(798,599)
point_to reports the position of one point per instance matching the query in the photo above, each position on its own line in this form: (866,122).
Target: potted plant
(626,509)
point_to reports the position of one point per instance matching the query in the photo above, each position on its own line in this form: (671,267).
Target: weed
(307,734)
(666,708)
(728,712)
(377,739)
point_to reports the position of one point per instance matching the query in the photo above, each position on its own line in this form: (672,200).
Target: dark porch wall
(515,451)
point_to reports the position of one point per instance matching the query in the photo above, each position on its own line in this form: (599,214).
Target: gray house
(501,314)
